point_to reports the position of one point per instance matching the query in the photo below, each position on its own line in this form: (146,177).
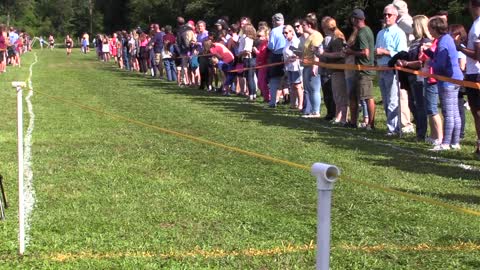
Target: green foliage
(41,17)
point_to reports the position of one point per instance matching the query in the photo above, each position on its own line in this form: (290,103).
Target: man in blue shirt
(276,43)
(390,41)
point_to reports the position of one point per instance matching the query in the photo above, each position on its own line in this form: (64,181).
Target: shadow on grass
(468,199)
(339,138)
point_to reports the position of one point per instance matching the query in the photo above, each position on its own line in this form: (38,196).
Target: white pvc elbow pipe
(326,175)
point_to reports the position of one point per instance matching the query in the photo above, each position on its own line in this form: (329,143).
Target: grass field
(119,185)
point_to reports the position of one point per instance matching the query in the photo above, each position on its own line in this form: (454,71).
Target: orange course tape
(469,84)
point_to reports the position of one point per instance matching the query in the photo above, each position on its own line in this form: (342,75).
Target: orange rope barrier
(469,84)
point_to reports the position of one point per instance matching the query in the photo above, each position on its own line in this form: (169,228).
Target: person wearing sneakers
(311,75)
(473,66)
(445,63)
(390,41)
(276,43)
(362,86)
(291,56)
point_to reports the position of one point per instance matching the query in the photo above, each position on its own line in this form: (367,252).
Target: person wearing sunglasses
(291,56)
(390,41)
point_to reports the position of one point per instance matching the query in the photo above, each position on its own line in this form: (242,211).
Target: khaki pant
(339,89)
(405,117)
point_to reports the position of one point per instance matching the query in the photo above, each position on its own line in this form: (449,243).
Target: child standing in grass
(193,68)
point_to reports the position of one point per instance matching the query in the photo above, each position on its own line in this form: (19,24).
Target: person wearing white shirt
(291,54)
(472,51)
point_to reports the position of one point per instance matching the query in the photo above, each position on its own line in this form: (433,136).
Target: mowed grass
(113,193)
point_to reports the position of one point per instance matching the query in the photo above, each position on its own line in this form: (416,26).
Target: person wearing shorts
(51,42)
(363,50)
(472,50)
(68,44)
(292,66)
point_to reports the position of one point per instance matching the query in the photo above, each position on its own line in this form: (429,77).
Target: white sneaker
(433,141)
(441,147)
(408,129)
(455,146)
(391,133)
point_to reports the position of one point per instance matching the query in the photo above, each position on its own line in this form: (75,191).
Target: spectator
(260,50)
(224,59)
(472,51)
(326,76)
(113,47)
(302,36)
(458,32)
(3,48)
(334,53)
(445,63)
(418,83)
(185,38)
(276,43)
(12,49)
(169,35)
(169,62)
(157,49)
(390,41)
(311,76)
(125,51)
(204,58)
(404,21)
(246,54)
(193,67)
(105,49)
(143,54)
(362,86)
(291,56)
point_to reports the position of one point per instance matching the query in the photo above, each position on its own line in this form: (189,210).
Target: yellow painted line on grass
(252,252)
(197,252)
(265,157)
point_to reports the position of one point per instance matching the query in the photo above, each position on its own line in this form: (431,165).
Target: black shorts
(11,51)
(473,94)
(2,56)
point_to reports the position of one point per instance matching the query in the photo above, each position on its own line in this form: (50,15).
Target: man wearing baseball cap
(363,50)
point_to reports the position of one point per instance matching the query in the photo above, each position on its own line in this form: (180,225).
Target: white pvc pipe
(21,199)
(326,175)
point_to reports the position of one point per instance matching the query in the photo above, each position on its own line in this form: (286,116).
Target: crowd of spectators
(13,44)
(280,62)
